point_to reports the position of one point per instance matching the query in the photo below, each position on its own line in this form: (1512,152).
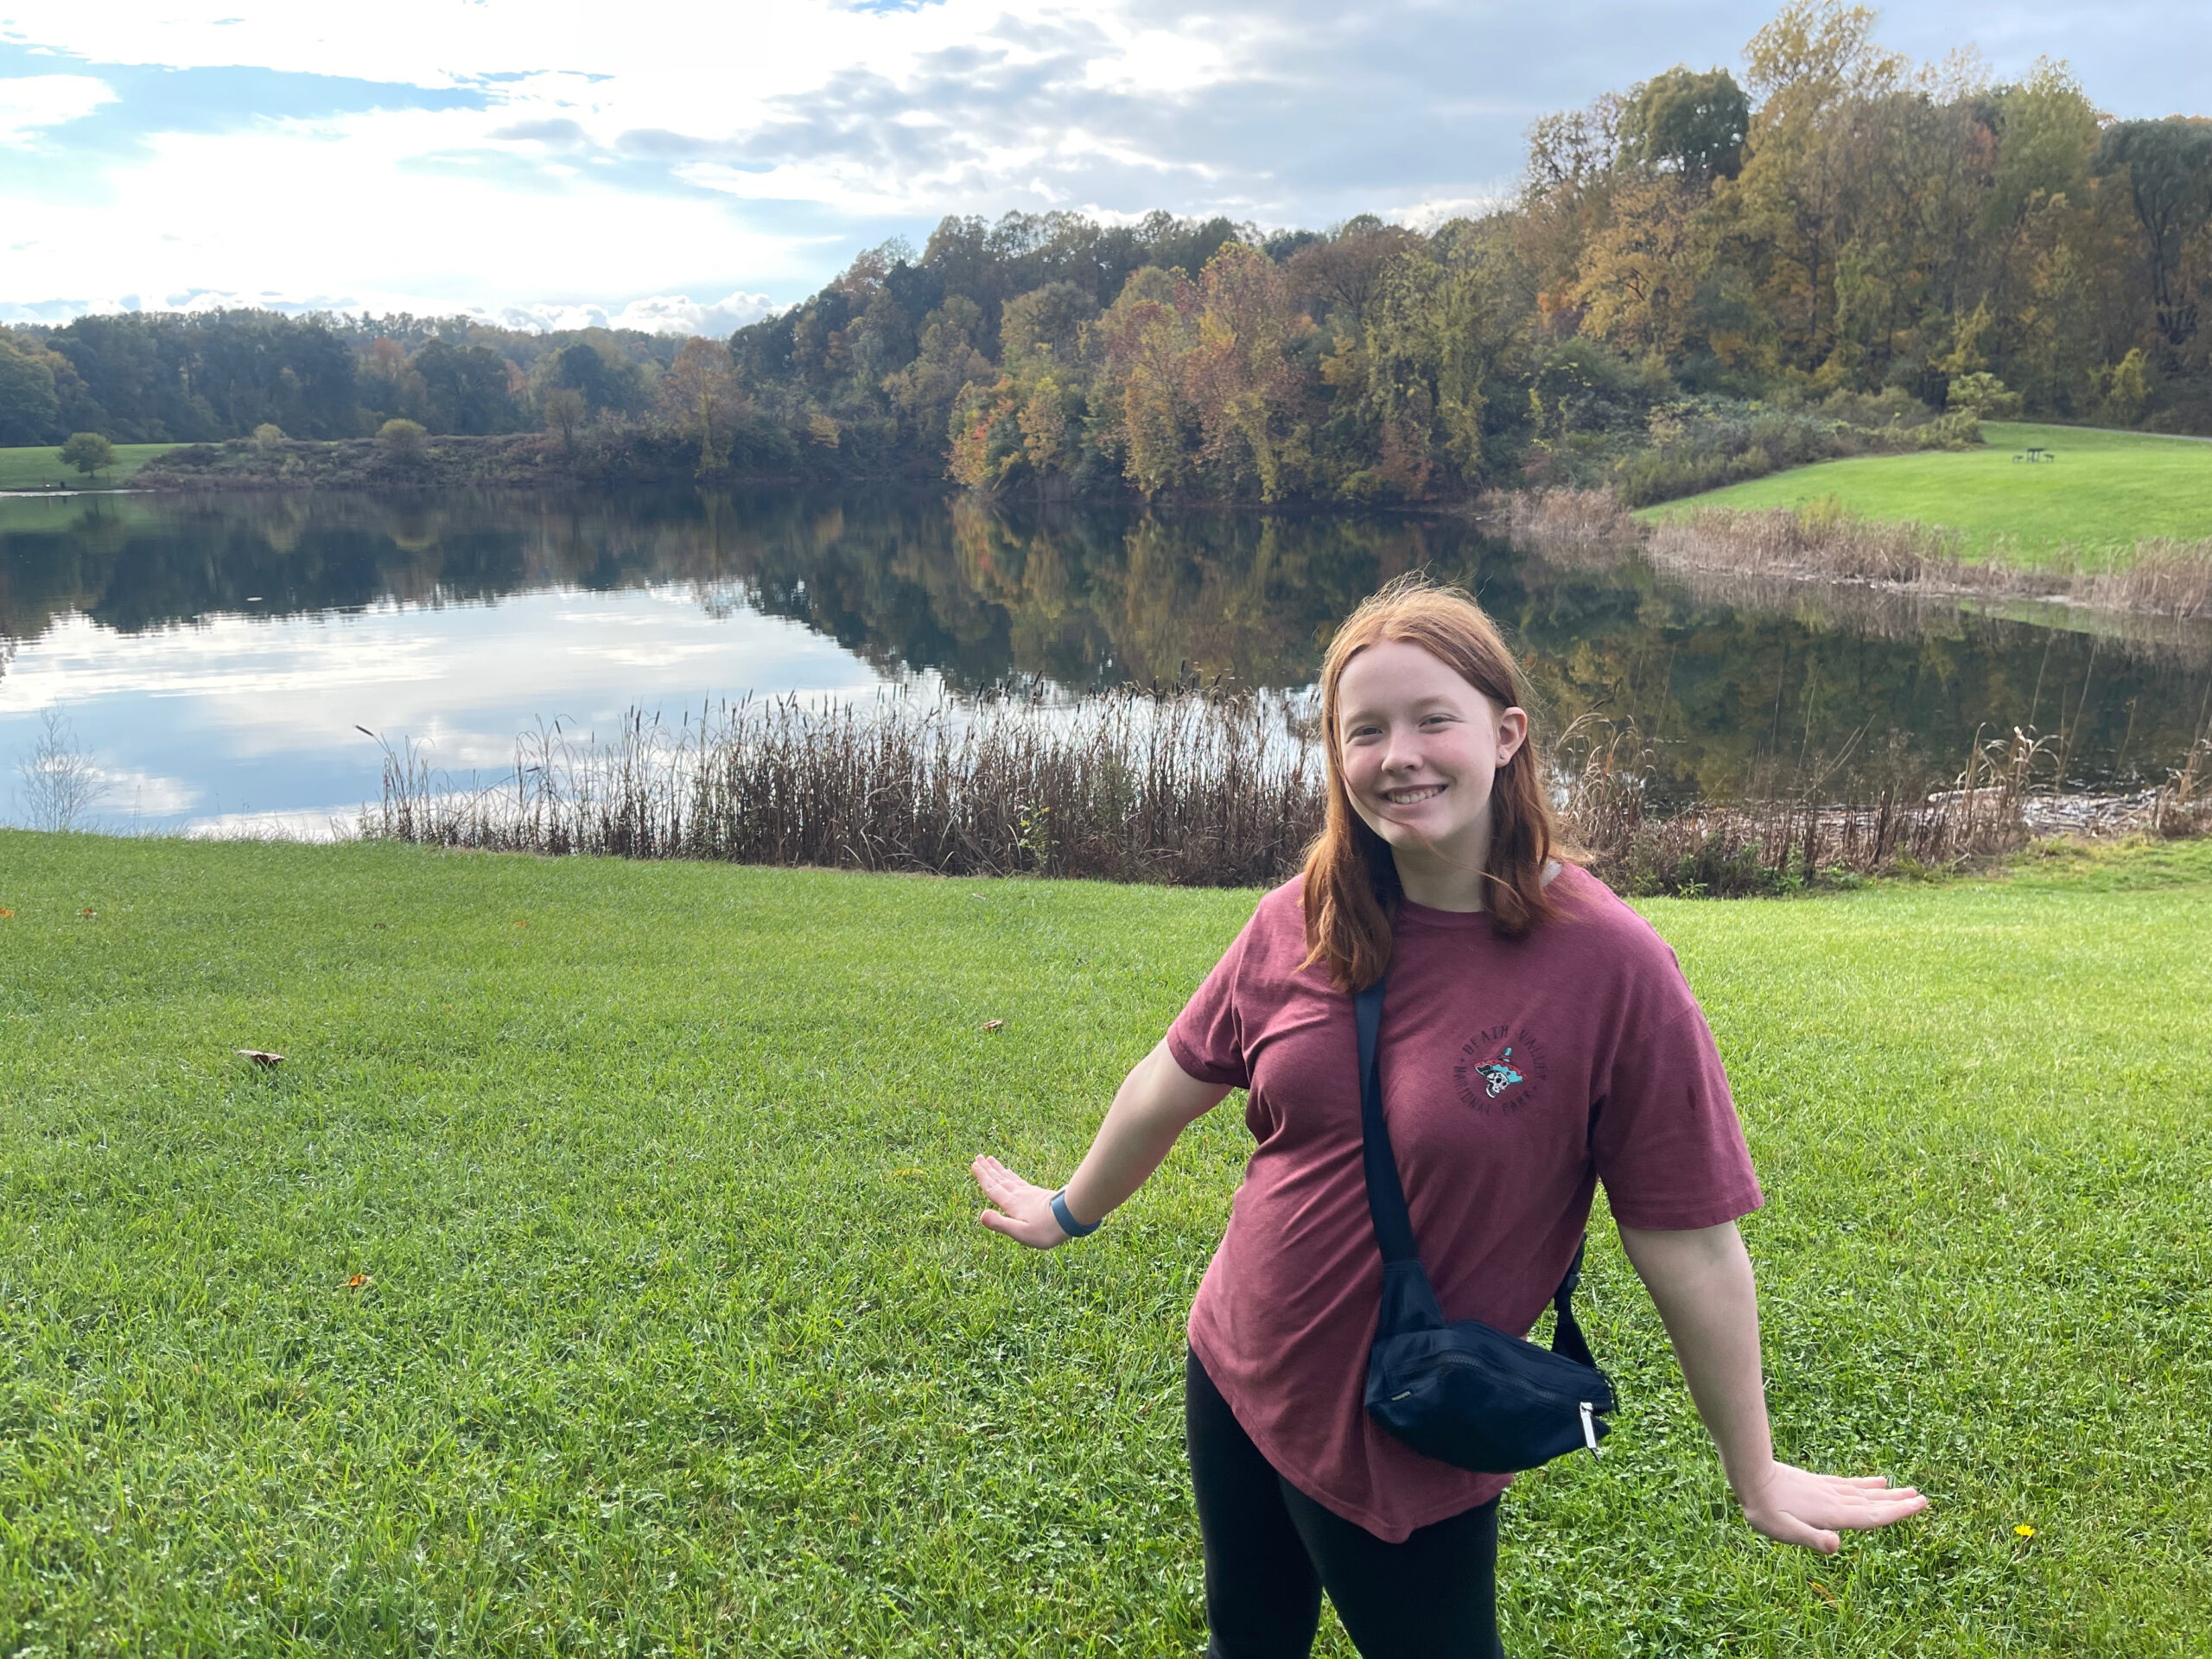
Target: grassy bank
(2104,492)
(597,1273)
(36,468)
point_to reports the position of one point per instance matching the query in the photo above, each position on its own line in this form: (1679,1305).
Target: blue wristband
(1065,1217)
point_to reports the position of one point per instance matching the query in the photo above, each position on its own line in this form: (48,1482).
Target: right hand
(1025,1210)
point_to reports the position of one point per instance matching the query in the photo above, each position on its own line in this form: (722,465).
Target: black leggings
(1271,1551)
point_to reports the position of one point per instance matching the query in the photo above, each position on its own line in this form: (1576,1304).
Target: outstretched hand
(1796,1506)
(1025,1210)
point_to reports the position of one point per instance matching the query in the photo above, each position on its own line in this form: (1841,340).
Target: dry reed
(1788,845)
(1186,789)
(2183,807)
(1821,544)
(1566,518)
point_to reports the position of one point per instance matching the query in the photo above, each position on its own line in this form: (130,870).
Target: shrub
(267,436)
(1702,443)
(1984,396)
(404,441)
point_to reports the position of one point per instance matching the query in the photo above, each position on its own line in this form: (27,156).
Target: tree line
(1701,278)
(202,376)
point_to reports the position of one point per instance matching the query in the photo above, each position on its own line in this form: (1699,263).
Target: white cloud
(692,151)
(30,103)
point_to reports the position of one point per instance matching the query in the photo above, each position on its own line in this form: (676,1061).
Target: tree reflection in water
(1739,690)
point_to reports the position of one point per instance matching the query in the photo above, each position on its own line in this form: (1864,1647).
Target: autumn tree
(1809,68)
(1142,413)
(1337,276)
(700,393)
(564,410)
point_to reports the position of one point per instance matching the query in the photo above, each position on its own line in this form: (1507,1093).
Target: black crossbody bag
(1463,1392)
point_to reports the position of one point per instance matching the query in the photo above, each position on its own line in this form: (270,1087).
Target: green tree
(466,389)
(88,452)
(28,404)
(1440,338)
(2125,387)
(926,388)
(2169,168)
(1688,123)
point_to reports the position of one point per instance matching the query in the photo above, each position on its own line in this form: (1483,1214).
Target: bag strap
(1386,1193)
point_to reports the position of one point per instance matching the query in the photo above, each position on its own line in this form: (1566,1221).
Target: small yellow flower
(2024,1530)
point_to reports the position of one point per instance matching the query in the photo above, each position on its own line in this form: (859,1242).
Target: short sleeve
(1207,1038)
(1666,1140)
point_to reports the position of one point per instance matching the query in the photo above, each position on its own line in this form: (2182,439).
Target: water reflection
(240,638)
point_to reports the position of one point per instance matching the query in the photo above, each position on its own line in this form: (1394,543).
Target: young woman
(1537,1037)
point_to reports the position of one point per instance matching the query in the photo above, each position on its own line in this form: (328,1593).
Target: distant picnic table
(2035,454)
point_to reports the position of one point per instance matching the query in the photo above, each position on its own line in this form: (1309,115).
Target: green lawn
(35,469)
(2105,492)
(597,1274)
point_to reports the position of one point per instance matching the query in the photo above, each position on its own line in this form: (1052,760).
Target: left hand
(1796,1506)
(1025,1209)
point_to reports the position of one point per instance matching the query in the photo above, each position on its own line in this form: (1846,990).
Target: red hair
(1351,883)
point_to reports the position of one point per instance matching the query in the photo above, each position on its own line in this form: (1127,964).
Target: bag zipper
(1590,1431)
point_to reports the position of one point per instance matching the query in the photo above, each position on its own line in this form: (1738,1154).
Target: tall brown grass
(1189,788)
(1794,841)
(1822,543)
(2183,807)
(1569,519)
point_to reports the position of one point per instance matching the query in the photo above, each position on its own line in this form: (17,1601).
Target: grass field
(597,1274)
(34,469)
(2105,492)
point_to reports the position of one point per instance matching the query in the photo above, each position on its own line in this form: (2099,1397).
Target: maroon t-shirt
(1517,1074)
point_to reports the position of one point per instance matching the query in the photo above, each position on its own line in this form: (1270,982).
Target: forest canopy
(1701,276)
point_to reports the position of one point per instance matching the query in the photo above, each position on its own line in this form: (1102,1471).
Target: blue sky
(683,166)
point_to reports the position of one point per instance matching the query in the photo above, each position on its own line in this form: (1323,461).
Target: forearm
(1156,1103)
(1702,1285)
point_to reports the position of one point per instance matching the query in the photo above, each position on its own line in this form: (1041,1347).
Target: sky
(686,167)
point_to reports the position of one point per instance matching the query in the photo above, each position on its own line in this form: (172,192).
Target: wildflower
(2024,1530)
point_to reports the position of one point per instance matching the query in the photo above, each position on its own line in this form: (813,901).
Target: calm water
(215,657)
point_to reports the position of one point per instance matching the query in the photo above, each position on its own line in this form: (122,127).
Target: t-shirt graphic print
(1510,1077)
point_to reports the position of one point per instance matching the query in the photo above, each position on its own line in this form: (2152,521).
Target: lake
(218,656)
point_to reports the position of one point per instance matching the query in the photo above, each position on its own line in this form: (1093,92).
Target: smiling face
(1420,749)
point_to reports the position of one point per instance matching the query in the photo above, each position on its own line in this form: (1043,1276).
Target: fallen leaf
(88,912)
(1824,1592)
(5,914)
(992,1025)
(522,924)
(260,1056)
(357,1281)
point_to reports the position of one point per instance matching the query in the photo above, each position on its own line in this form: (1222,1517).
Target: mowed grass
(2105,492)
(598,1273)
(35,469)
